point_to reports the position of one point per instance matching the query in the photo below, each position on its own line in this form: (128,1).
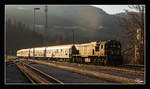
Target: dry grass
(128,71)
(9,58)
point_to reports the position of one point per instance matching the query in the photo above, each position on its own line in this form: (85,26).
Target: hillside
(89,24)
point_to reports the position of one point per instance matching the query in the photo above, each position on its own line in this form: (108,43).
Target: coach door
(93,51)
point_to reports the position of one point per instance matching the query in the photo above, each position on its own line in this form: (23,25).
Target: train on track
(98,52)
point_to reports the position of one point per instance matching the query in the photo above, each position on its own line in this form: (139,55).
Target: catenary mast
(46,25)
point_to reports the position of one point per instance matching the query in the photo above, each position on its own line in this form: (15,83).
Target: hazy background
(89,22)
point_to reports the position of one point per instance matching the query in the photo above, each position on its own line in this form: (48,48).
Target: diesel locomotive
(98,52)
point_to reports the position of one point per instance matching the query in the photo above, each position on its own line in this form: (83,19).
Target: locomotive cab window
(97,47)
(101,46)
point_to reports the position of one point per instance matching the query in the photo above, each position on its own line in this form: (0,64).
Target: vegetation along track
(37,76)
(134,67)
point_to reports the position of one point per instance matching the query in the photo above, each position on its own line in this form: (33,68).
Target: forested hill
(89,24)
(19,36)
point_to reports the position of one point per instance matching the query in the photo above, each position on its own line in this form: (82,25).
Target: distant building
(139,49)
(138,34)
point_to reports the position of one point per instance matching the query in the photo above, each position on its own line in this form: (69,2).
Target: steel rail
(117,69)
(43,73)
(32,76)
(30,79)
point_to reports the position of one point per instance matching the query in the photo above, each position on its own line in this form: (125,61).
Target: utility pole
(34,28)
(73,36)
(34,16)
(46,29)
(46,25)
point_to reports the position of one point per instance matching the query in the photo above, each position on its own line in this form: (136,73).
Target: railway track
(124,69)
(108,76)
(131,68)
(111,77)
(66,76)
(36,76)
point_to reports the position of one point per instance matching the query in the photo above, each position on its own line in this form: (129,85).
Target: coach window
(66,53)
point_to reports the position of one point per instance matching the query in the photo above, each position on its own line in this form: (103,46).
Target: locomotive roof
(59,46)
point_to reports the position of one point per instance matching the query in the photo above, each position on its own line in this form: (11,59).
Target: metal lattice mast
(46,29)
(46,24)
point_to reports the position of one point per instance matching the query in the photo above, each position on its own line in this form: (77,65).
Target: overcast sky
(113,9)
(110,9)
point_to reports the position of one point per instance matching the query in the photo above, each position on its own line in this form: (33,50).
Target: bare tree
(132,24)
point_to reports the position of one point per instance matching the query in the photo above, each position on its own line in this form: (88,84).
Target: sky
(110,9)
(113,9)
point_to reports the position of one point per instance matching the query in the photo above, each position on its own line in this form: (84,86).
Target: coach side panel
(58,53)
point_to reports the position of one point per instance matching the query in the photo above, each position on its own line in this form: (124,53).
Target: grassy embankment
(10,58)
